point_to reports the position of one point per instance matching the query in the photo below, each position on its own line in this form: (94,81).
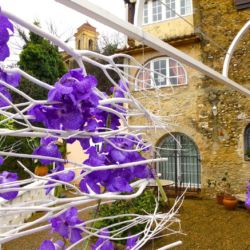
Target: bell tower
(86,37)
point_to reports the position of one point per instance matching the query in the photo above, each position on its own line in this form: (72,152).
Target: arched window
(91,44)
(183,164)
(159,72)
(247,141)
(160,10)
(79,44)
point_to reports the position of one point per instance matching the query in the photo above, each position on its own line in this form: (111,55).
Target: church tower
(86,37)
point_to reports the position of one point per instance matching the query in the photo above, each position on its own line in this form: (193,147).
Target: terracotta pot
(230,202)
(219,198)
(41,170)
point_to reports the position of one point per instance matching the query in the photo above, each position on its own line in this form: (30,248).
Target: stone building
(212,135)
(86,38)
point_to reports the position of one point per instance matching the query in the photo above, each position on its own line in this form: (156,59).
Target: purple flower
(131,242)
(103,243)
(4,52)
(5,26)
(49,245)
(118,184)
(90,181)
(75,104)
(7,177)
(121,90)
(65,224)
(115,180)
(65,176)
(10,78)
(247,202)
(1,160)
(47,148)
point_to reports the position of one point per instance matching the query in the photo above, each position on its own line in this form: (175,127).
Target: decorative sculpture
(77,111)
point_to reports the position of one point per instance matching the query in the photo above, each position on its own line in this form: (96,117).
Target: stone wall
(219,137)
(224,133)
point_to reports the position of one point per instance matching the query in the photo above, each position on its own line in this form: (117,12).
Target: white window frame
(151,71)
(164,11)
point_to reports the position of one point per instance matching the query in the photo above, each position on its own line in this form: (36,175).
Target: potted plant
(221,186)
(229,200)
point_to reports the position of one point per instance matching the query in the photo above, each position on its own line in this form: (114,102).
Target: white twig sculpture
(77,111)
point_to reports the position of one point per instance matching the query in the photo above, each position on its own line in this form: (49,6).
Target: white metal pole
(232,48)
(87,8)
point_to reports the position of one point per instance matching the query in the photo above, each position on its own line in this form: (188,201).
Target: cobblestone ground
(208,226)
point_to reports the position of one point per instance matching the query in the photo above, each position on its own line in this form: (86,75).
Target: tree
(41,59)
(104,83)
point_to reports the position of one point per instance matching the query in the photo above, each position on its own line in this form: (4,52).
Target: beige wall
(75,154)
(171,28)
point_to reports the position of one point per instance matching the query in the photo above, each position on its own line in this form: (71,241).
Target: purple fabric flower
(115,180)
(121,90)
(4,52)
(119,184)
(11,78)
(247,202)
(7,177)
(49,245)
(103,243)
(65,176)
(131,242)
(76,104)
(64,225)
(47,148)
(5,27)
(1,160)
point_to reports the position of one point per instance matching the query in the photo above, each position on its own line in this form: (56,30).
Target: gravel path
(208,227)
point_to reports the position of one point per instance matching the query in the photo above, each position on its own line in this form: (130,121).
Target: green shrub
(141,205)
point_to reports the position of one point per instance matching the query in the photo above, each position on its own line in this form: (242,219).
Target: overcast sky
(65,19)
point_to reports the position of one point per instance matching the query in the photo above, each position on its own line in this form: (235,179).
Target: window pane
(170,8)
(185,7)
(161,72)
(157,10)
(145,13)
(183,3)
(176,72)
(143,80)
(159,67)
